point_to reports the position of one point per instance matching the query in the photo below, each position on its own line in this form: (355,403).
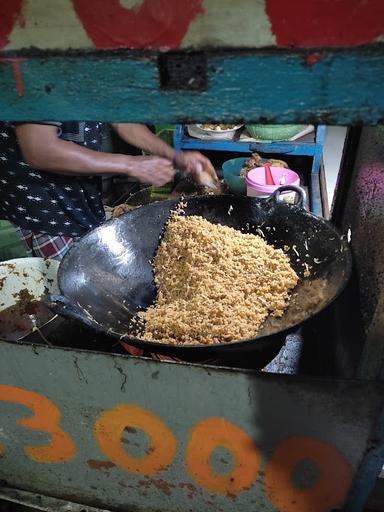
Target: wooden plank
(323,192)
(343,87)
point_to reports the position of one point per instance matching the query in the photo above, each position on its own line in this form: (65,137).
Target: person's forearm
(64,157)
(42,149)
(140,136)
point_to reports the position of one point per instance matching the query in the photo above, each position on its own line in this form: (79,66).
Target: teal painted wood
(184,141)
(342,87)
(82,385)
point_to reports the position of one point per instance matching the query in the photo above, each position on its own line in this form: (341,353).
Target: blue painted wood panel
(343,87)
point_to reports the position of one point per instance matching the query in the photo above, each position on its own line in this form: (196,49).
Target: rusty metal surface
(133,434)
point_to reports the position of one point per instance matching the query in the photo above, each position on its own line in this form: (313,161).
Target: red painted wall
(163,23)
(311,23)
(9,12)
(154,24)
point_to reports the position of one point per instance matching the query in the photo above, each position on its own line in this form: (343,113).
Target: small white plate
(219,134)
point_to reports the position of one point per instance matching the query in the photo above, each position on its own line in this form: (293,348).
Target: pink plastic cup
(256,186)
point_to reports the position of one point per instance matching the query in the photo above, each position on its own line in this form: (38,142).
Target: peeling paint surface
(128,88)
(152,445)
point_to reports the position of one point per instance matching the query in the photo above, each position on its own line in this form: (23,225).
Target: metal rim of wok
(72,306)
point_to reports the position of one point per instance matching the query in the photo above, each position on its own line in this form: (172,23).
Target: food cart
(86,430)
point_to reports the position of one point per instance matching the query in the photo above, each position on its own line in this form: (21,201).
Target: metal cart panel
(102,430)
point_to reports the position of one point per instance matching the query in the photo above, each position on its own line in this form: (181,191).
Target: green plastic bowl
(271,132)
(231,172)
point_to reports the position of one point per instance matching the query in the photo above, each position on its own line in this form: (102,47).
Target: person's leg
(41,245)
(48,246)
(26,238)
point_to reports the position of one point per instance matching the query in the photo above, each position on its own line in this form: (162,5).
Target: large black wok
(107,277)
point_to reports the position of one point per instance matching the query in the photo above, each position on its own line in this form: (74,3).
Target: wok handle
(64,307)
(302,202)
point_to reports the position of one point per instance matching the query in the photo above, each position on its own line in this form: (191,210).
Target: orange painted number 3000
(45,418)
(327,489)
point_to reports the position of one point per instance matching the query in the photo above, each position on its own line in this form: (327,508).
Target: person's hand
(199,167)
(152,169)
(192,162)
(119,210)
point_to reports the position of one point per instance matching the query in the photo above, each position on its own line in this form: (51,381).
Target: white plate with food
(219,131)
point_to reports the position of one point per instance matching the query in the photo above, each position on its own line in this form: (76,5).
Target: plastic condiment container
(256,186)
